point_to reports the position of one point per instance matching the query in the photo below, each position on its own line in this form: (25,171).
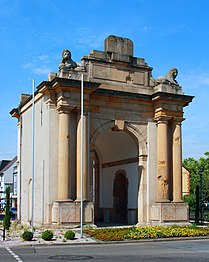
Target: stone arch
(103,127)
(139,136)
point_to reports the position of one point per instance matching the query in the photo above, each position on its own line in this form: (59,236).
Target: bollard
(3,233)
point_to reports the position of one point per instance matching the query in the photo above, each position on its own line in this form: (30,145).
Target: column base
(78,200)
(68,212)
(170,213)
(163,201)
(178,201)
(64,200)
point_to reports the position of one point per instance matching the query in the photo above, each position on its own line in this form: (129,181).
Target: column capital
(51,100)
(142,158)
(162,119)
(177,120)
(64,109)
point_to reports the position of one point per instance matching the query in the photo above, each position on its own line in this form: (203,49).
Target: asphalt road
(190,250)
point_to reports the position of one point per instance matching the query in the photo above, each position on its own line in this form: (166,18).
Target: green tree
(204,163)
(7,222)
(194,168)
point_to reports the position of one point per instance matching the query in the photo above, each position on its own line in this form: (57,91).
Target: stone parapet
(162,213)
(65,212)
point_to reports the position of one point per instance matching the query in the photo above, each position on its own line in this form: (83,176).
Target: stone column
(85,160)
(63,155)
(162,160)
(91,179)
(177,161)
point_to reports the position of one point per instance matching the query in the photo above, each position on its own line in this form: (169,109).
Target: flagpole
(81,157)
(33,155)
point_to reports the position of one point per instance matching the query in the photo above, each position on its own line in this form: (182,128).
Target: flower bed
(145,232)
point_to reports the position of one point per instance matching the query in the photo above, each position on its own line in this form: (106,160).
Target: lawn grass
(145,232)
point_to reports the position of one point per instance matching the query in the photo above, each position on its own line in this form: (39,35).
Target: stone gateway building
(132,143)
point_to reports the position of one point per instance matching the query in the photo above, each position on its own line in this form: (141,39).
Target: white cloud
(194,79)
(88,39)
(41,71)
(44,58)
(196,126)
(166,31)
(40,65)
(192,147)
(205,80)
(37,70)
(147,28)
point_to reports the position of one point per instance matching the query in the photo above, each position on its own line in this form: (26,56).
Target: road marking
(13,254)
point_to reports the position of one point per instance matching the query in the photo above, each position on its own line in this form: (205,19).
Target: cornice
(15,113)
(164,96)
(66,84)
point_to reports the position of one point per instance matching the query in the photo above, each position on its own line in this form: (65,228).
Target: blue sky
(166,33)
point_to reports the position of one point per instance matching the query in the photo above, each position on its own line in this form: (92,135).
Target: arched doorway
(116,178)
(120,197)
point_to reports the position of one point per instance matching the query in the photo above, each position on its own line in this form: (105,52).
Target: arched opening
(116,176)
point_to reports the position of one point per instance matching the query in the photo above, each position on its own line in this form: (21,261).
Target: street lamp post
(197,206)
(201,204)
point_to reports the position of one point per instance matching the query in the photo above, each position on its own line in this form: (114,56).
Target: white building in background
(8,177)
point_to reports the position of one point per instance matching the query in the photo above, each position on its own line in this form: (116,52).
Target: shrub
(7,222)
(27,235)
(69,234)
(47,235)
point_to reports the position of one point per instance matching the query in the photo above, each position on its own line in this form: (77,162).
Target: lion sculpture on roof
(67,62)
(169,78)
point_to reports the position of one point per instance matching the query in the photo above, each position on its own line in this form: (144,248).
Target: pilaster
(177,159)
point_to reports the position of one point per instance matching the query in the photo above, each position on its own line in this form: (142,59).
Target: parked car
(13,211)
